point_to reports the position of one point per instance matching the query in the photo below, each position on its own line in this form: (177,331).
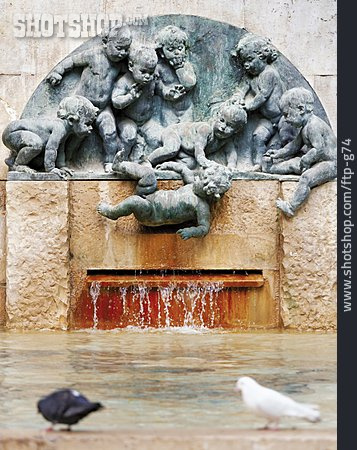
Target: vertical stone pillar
(2,254)
(308,266)
(38,287)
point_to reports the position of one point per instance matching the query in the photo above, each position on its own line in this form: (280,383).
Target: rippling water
(166,378)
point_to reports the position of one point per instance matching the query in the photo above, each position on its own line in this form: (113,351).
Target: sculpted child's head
(172,44)
(230,119)
(213,181)
(142,63)
(297,105)
(255,52)
(79,112)
(116,42)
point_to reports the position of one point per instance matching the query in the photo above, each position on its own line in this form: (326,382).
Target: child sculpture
(176,76)
(265,83)
(30,138)
(315,141)
(193,141)
(188,203)
(101,67)
(133,94)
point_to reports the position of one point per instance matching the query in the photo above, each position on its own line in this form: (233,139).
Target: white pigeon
(272,405)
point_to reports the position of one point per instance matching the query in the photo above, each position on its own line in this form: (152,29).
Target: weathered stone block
(37,55)
(37,255)
(326,89)
(304,31)
(230,11)
(2,306)
(2,233)
(308,274)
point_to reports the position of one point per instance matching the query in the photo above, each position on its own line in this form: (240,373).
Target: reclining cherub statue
(189,203)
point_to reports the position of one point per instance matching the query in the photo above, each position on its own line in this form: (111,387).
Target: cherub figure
(175,80)
(30,138)
(101,67)
(188,203)
(316,143)
(133,94)
(264,82)
(192,142)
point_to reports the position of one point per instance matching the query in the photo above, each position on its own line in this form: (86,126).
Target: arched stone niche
(218,75)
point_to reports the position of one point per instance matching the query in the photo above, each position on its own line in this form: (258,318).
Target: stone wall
(37,255)
(2,253)
(308,264)
(55,236)
(304,31)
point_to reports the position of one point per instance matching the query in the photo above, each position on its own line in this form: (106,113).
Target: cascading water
(190,300)
(194,305)
(94,291)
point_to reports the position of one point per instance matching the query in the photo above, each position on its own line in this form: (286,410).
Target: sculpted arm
(265,88)
(163,91)
(61,156)
(289,150)
(52,147)
(186,76)
(241,91)
(170,92)
(79,60)
(122,95)
(185,172)
(316,152)
(203,222)
(200,145)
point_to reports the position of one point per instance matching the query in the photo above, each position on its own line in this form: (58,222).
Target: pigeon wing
(54,405)
(273,404)
(77,412)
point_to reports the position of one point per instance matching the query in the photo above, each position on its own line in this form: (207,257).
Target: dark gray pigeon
(66,406)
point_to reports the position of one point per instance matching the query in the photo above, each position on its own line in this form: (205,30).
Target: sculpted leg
(128,134)
(152,132)
(132,205)
(144,173)
(29,145)
(290,166)
(261,135)
(320,173)
(107,131)
(170,148)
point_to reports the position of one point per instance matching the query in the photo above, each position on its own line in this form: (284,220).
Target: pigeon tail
(307,412)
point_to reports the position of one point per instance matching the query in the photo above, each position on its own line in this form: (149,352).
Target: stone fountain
(179,173)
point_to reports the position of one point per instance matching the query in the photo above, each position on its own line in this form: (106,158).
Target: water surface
(164,378)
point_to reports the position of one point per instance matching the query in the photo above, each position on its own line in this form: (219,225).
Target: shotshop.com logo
(33,25)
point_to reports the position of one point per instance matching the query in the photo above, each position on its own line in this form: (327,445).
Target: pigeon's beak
(236,389)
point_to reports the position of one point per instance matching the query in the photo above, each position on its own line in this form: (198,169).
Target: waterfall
(94,292)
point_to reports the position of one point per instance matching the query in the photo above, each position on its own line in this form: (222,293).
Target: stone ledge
(197,439)
(161,175)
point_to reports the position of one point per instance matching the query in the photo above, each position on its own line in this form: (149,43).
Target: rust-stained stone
(37,255)
(243,233)
(308,283)
(56,235)
(243,236)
